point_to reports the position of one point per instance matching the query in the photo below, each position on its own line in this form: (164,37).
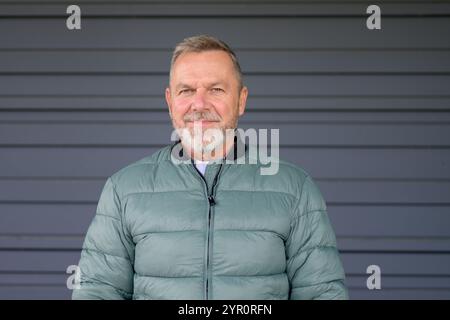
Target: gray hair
(203,43)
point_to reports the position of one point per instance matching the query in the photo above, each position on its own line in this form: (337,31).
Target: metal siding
(366,113)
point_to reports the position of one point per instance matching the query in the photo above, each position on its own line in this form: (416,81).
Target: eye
(217,90)
(186,91)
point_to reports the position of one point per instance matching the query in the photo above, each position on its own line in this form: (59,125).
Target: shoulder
(135,172)
(275,169)
(309,196)
(293,179)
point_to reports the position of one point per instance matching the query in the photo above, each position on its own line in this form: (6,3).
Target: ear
(169,101)
(242,100)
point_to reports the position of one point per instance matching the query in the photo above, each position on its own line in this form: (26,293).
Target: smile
(201,122)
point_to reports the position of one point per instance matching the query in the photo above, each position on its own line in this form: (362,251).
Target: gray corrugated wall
(366,113)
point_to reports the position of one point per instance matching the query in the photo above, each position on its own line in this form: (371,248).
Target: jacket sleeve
(314,267)
(106,263)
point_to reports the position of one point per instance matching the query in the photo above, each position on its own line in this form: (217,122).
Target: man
(209,228)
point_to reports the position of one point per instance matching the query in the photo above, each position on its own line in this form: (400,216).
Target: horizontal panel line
(387,179)
(316,73)
(400,289)
(47,202)
(286,147)
(249,2)
(63,285)
(346,251)
(394,238)
(368,251)
(408,275)
(124,146)
(167,122)
(278,110)
(390,275)
(67,178)
(32,272)
(256,16)
(381,179)
(59,236)
(391,204)
(271,122)
(132,145)
(127,147)
(329,203)
(236,49)
(396,252)
(43,236)
(38,285)
(111,2)
(252,73)
(322,179)
(27,249)
(273,96)
(156,146)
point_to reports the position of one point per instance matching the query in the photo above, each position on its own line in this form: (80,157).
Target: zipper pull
(211,200)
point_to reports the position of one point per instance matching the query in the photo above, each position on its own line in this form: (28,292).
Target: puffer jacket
(163,231)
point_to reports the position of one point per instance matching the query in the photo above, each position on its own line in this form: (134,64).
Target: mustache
(201,115)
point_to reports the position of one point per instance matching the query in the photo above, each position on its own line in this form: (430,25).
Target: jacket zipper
(211,203)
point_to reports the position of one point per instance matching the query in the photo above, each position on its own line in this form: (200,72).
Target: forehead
(210,66)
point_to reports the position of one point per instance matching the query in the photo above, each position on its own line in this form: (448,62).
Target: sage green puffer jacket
(162,231)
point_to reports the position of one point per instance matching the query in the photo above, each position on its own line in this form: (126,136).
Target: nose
(199,100)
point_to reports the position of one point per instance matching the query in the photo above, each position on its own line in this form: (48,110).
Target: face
(204,95)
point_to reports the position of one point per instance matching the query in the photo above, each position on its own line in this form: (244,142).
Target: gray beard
(202,141)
